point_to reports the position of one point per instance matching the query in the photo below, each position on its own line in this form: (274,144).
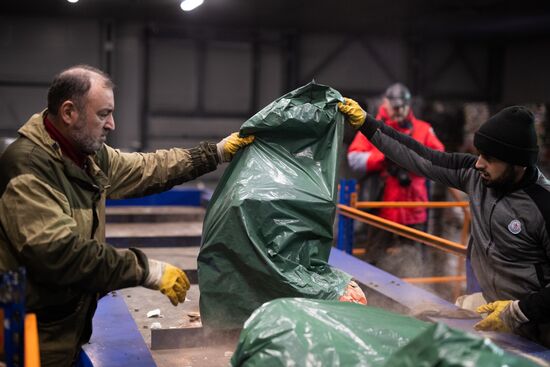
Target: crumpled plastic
(269,228)
(306,332)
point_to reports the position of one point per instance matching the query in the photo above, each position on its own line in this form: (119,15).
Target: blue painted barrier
(344,241)
(188,196)
(116,340)
(12,305)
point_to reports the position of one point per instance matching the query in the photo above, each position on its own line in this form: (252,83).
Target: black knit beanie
(509,136)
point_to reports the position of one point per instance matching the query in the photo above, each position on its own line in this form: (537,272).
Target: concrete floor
(140,301)
(170,234)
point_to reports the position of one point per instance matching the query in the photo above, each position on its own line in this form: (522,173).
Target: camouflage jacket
(52,214)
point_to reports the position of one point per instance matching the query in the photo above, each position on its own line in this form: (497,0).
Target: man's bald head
(73,84)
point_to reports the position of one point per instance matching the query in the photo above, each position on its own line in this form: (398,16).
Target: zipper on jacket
(493,275)
(491,227)
(499,198)
(95,219)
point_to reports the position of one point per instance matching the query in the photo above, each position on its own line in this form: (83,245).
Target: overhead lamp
(72,1)
(188,5)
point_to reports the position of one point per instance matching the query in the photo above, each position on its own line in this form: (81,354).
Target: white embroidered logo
(514,226)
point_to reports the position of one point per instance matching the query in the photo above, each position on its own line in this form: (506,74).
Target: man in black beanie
(508,137)
(509,246)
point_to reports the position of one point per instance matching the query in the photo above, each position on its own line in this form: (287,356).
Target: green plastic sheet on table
(269,228)
(305,332)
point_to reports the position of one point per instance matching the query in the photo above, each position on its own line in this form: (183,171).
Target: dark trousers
(60,340)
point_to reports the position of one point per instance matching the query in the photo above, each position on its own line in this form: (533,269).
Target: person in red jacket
(394,184)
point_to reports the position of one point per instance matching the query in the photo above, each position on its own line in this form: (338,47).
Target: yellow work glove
(503,316)
(170,280)
(230,145)
(355,115)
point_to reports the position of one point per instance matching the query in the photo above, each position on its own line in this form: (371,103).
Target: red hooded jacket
(364,158)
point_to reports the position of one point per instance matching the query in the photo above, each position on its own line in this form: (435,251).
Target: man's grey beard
(84,142)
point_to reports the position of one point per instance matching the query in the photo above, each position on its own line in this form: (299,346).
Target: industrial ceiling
(427,17)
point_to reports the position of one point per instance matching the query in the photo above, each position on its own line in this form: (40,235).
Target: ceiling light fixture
(72,1)
(188,5)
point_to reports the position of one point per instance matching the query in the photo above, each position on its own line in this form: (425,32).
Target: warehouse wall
(32,50)
(176,86)
(527,74)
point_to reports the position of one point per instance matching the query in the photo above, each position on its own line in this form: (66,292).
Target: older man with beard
(54,181)
(509,246)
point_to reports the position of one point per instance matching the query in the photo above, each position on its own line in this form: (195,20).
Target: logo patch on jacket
(514,226)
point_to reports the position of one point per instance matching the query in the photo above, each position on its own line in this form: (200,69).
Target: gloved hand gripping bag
(269,228)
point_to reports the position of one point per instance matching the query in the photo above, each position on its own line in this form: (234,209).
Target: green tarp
(269,227)
(305,332)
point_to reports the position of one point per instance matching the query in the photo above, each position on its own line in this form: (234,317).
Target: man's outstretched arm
(451,169)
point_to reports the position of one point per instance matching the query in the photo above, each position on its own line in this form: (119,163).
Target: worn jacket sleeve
(138,174)
(451,169)
(37,222)
(536,306)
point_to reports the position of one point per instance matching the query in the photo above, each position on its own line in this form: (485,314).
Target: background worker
(385,180)
(509,246)
(54,181)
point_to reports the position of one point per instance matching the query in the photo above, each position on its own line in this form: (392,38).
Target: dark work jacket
(509,244)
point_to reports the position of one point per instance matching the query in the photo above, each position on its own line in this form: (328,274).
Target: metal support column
(291,60)
(107,47)
(145,107)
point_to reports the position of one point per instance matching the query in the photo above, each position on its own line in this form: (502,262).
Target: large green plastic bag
(305,332)
(268,230)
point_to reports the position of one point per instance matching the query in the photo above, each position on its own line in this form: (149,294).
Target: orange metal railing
(410,204)
(402,230)
(353,211)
